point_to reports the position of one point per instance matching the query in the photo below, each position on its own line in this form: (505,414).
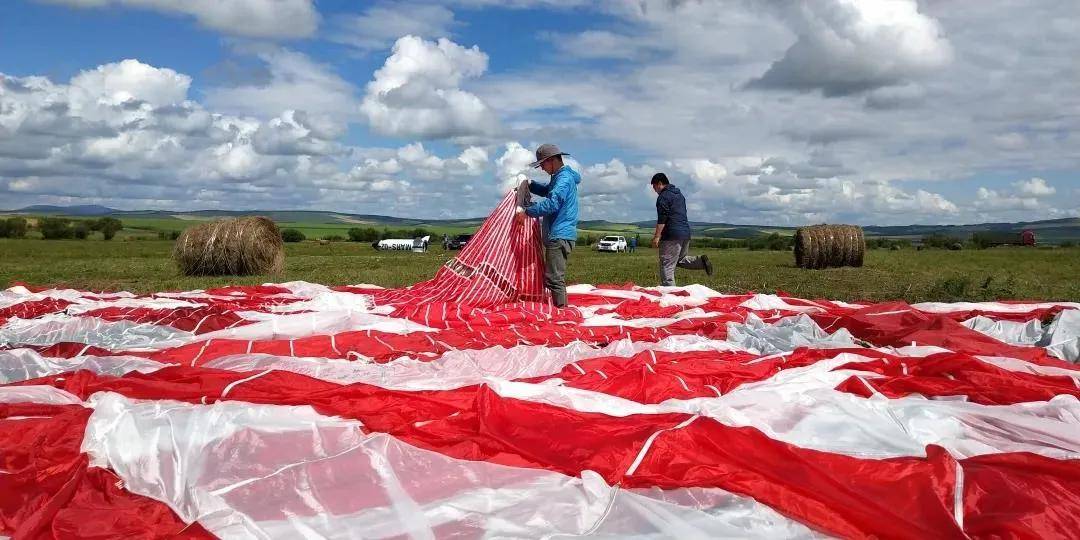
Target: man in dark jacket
(672,235)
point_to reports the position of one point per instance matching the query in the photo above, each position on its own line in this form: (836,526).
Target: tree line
(58,228)
(360,234)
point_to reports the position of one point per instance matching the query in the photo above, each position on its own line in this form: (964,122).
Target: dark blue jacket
(671,211)
(560,208)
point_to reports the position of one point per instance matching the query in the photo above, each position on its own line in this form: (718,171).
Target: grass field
(1004,273)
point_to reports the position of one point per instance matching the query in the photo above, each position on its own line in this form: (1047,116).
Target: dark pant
(556,252)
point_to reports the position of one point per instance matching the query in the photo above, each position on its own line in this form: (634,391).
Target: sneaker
(708,264)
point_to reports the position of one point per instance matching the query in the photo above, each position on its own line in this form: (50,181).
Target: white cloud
(250,18)
(381,24)
(513,165)
(293,133)
(602,44)
(127,132)
(847,46)
(1035,187)
(132,80)
(991,200)
(417,93)
(295,82)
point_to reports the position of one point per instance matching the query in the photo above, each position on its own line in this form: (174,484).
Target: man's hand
(655,242)
(519,217)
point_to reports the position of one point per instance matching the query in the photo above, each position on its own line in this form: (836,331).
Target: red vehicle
(1027,237)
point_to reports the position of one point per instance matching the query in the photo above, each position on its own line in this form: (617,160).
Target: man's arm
(540,190)
(556,196)
(656,234)
(663,213)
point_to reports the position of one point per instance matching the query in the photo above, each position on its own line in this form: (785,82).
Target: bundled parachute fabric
(300,410)
(230,247)
(502,263)
(826,246)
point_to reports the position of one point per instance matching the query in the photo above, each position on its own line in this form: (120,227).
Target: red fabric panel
(1021,495)
(32,309)
(47,491)
(198,320)
(950,374)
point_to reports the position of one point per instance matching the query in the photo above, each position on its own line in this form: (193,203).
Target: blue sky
(877,112)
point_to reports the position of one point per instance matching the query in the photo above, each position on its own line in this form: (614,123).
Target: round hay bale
(230,247)
(825,246)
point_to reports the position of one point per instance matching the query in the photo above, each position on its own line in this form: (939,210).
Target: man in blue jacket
(672,234)
(560,212)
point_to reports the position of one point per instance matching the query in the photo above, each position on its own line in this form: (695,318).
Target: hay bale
(825,246)
(236,247)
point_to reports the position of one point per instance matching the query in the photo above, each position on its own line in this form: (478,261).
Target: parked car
(611,243)
(459,241)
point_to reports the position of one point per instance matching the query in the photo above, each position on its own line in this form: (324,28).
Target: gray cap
(546,152)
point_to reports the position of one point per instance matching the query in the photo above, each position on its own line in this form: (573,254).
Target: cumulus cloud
(1035,187)
(768,191)
(132,80)
(127,134)
(295,82)
(380,25)
(417,93)
(990,200)
(848,46)
(295,133)
(249,18)
(513,165)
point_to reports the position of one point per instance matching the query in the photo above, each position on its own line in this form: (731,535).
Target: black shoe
(708,265)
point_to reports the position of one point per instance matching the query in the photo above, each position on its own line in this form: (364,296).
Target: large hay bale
(825,246)
(234,247)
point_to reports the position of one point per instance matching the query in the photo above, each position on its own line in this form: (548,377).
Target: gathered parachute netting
(502,263)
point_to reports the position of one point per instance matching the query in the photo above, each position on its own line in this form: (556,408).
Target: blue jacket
(671,211)
(560,208)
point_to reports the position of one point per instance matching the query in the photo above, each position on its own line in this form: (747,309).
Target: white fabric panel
(1023,366)
(24,364)
(45,395)
(19,294)
(786,334)
(328,301)
(999,307)
(1063,337)
(771,302)
(298,325)
(113,335)
(84,306)
(265,471)
(458,368)
(1014,333)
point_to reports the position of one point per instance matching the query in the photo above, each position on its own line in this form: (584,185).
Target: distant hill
(79,210)
(1047,231)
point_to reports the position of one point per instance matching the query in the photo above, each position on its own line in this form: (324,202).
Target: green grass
(1005,273)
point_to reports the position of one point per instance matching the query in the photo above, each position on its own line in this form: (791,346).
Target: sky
(785,112)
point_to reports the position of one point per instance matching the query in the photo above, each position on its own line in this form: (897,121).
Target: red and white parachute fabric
(298,410)
(501,264)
